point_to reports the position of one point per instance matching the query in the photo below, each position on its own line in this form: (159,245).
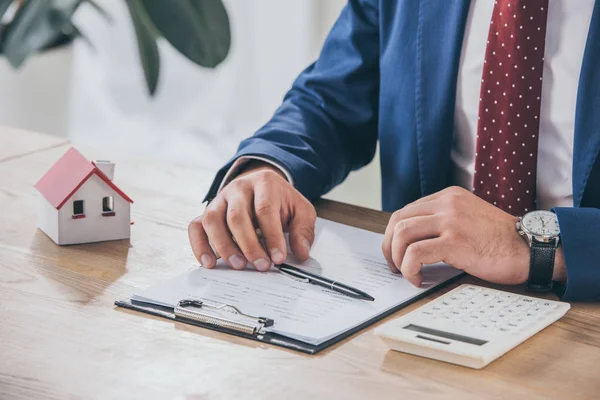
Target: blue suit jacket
(388,72)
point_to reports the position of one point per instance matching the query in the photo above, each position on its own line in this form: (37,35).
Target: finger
(409,211)
(239,222)
(214,222)
(267,208)
(386,246)
(200,246)
(302,229)
(412,230)
(416,210)
(428,251)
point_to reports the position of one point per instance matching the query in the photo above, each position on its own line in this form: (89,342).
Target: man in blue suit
(485,112)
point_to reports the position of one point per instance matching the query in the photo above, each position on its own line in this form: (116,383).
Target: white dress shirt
(566,34)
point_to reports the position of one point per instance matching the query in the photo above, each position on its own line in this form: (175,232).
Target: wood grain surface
(62,338)
(18,143)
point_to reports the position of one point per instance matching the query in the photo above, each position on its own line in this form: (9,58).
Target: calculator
(470,325)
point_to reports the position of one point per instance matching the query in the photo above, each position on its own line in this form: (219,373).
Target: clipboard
(199,313)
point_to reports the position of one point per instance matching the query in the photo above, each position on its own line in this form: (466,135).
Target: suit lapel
(441,28)
(587,117)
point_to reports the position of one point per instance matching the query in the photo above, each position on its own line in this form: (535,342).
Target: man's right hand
(260,197)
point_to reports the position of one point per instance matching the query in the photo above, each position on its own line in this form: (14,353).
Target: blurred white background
(198,116)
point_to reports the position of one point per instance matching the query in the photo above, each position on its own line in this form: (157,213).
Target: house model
(80,203)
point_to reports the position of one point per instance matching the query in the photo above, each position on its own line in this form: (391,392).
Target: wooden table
(61,337)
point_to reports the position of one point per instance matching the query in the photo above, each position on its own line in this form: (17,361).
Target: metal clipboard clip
(212,315)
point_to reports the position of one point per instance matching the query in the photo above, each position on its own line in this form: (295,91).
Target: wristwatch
(540,229)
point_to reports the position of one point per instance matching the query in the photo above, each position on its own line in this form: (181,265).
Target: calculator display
(446,335)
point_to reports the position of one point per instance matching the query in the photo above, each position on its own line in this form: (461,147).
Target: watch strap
(541,266)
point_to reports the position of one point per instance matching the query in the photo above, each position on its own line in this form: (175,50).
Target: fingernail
(277,256)
(306,244)
(237,261)
(262,265)
(205,260)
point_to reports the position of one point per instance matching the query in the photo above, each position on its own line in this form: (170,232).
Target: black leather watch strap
(541,266)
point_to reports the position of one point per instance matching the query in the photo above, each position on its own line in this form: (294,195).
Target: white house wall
(48,219)
(94,227)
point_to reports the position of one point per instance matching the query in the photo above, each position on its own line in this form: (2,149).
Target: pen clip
(290,276)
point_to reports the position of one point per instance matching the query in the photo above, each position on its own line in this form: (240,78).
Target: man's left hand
(460,229)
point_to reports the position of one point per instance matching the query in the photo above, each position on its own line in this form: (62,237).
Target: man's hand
(459,228)
(262,198)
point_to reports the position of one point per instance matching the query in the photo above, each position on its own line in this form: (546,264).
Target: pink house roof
(67,175)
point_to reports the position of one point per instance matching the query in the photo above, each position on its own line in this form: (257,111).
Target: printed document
(303,311)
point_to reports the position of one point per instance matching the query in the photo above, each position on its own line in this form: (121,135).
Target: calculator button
(469,305)
(455,299)
(527,302)
(535,311)
(501,317)
(547,305)
(513,324)
(484,312)
(470,290)
(482,298)
(461,296)
(485,325)
(472,303)
(507,297)
(499,302)
(505,329)
(445,303)
(532,315)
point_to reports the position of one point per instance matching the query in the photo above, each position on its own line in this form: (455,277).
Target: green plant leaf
(199,29)
(4,5)
(147,48)
(36,25)
(217,21)
(29,31)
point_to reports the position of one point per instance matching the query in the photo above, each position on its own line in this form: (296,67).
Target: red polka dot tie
(509,107)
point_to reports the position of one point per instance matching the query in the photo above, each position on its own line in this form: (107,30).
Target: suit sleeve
(327,123)
(579,229)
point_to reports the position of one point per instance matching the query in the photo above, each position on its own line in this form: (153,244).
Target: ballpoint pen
(314,279)
(322,281)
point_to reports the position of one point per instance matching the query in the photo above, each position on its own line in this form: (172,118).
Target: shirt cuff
(240,162)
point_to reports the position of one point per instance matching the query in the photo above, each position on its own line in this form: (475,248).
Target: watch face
(541,223)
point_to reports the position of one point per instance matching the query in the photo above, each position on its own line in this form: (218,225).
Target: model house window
(78,209)
(108,206)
